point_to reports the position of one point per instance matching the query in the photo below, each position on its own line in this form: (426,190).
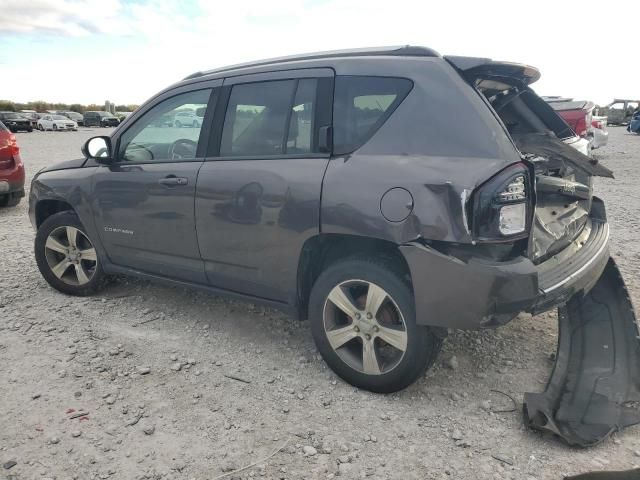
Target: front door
(258,196)
(144,202)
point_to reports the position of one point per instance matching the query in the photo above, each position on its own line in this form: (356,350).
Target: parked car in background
(122,115)
(16,122)
(634,124)
(165,120)
(11,169)
(620,111)
(100,119)
(56,122)
(75,116)
(599,133)
(577,113)
(187,118)
(31,115)
(324,195)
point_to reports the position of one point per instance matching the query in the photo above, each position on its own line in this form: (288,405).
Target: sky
(125,51)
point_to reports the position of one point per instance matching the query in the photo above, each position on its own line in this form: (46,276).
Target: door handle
(172,180)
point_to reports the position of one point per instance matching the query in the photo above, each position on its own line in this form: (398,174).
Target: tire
(9,201)
(57,226)
(41,127)
(55,127)
(356,276)
(30,130)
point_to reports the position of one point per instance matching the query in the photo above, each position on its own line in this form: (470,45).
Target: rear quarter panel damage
(441,141)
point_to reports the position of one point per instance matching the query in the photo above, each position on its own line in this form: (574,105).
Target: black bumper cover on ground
(595,383)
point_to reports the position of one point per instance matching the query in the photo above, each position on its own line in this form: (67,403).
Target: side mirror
(98,149)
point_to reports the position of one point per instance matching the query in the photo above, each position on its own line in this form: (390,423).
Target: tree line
(42,106)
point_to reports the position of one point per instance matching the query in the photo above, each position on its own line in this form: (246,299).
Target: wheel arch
(47,207)
(323,250)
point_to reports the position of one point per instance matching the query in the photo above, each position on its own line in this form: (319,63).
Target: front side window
(361,105)
(164,133)
(269,118)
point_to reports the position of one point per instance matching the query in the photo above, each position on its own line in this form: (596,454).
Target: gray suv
(387,195)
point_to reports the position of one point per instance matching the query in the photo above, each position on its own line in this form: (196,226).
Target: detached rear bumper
(480,293)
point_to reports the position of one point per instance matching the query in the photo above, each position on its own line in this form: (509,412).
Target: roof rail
(399,51)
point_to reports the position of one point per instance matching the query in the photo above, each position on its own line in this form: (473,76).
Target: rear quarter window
(361,105)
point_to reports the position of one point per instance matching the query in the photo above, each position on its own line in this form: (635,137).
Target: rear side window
(270,118)
(361,105)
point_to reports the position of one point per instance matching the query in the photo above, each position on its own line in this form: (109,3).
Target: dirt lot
(186,418)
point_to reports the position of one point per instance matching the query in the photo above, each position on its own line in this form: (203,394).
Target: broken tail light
(502,206)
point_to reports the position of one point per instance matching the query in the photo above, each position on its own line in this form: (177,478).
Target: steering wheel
(182,148)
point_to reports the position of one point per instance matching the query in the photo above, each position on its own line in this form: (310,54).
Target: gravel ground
(137,382)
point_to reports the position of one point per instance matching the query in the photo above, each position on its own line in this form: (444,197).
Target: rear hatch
(564,176)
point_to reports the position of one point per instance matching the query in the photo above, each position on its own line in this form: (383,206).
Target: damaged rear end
(549,204)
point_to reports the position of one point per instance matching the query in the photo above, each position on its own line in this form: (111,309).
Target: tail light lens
(502,206)
(8,153)
(15,150)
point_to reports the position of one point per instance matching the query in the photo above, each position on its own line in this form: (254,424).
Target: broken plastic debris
(595,383)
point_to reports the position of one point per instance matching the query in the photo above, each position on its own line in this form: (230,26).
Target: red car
(11,169)
(577,113)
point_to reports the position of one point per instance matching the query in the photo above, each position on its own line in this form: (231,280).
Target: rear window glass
(361,106)
(270,118)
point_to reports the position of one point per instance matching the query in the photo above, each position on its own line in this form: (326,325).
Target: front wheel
(363,322)
(66,256)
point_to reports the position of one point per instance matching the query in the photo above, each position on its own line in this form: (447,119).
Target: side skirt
(594,388)
(113,269)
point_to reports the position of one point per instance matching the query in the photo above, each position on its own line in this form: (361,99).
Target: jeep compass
(386,195)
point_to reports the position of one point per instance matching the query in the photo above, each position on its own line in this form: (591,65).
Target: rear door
(258,192)
(144,203)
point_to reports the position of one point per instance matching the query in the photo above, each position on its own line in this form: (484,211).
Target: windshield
(105,114)
(59,117)
(13,115)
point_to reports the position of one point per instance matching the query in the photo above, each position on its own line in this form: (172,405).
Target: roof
(397,51)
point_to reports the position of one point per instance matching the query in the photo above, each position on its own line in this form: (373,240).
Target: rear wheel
(41,127)
(55,127)
(66,256)
(363,322)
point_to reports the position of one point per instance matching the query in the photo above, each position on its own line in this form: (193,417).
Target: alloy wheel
(71,256)
(365,327)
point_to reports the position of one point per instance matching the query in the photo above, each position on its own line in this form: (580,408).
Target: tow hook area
(594,388)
